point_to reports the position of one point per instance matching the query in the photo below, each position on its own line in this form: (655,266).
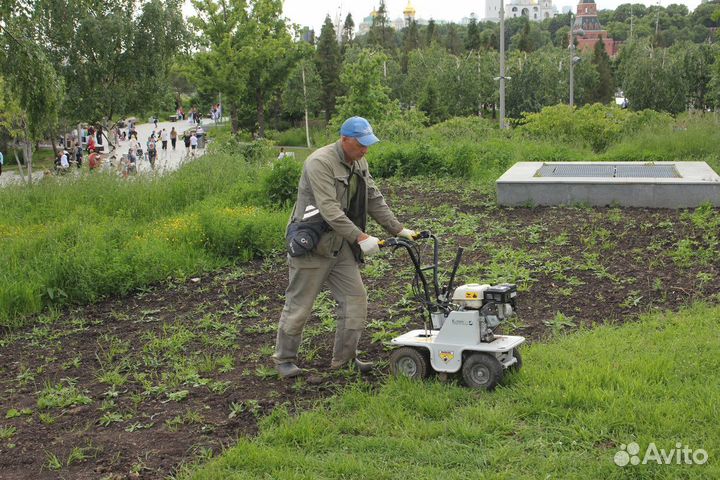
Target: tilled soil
(136,387)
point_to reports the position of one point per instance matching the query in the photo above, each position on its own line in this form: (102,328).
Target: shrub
(294,137)
(463,129)
(280,184)
(597,126)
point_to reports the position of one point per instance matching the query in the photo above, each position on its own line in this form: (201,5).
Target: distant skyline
(312,13)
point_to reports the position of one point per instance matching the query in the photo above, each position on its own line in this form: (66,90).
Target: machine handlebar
(395,241)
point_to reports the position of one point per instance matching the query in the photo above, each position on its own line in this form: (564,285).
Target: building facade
(536,10)
(588,31)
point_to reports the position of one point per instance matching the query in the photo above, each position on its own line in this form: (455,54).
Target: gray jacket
(325,184)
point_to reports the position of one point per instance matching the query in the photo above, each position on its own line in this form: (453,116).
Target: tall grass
(75,241)
(576,402)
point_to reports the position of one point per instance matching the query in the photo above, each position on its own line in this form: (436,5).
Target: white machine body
(460,332)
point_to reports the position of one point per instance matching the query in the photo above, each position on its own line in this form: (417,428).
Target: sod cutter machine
(463,321)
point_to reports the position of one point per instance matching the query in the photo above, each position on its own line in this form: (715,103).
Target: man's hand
(369,245)
(407,233)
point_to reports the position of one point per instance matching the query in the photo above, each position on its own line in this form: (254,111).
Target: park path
(167,160)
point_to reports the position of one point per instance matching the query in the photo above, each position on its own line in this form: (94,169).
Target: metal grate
(607,171)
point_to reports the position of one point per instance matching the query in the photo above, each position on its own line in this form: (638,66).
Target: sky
(312,12)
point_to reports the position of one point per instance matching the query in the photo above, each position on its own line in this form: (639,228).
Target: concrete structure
(628,184)
(536,10)
(587,21)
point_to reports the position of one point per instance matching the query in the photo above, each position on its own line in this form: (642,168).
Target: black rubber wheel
(409,362)
(515,367)
(481,370)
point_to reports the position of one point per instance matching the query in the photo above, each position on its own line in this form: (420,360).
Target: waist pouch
(302,237)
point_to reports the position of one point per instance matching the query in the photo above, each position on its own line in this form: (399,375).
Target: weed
(178,396)
(264,372)
(14,413)
(111,417)
(559,323)
(53,461)
(6,433)
(46,418)
(632,300)
(62,396)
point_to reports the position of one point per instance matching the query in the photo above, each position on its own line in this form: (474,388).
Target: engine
(495,304)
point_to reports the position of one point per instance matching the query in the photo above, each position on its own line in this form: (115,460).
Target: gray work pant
(341,274)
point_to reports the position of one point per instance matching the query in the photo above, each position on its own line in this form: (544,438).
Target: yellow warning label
(471,295)
(447,356)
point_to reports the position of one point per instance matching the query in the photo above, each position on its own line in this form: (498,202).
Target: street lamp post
(573,58)
(502,76)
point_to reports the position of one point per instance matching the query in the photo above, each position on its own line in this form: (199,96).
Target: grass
(42,159)
(78,240)
(578,401)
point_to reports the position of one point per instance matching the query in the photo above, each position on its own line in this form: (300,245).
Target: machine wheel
(481,370)
(515,367)
(409,362)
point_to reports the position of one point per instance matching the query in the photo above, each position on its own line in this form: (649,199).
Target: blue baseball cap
(358,127)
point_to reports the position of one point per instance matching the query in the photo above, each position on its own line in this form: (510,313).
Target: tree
(366,96)
(293,96)
(411,41)
(249,52)
(32,90)
(605,90)
(453,42)
(347,33)
(651,77)
(327,62)
(472,41)
(381,33)
(430,33)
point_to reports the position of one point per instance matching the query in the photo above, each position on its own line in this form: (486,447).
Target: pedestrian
(165,136)
(193,142)
(335,195)
(62,163)
(99,135)
(91,142)
(93,160)
(152,152)
(186,139)
(282,154)
(78,155)
(155,120)
(2,162)
(173,137)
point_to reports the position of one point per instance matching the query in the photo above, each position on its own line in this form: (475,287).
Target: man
(336,186)
(164,136)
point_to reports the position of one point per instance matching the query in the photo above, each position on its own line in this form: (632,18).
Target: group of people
(65,159)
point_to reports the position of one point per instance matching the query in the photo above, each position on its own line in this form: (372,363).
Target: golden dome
(373,13)
(409,10)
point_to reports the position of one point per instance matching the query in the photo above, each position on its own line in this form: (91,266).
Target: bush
(280,184)
(597,126)
(294,137)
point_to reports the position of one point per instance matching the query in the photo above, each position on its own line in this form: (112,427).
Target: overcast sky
(312,12)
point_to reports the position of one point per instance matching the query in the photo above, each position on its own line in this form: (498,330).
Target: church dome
(409,10)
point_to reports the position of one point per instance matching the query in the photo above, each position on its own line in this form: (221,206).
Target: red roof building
(587,21)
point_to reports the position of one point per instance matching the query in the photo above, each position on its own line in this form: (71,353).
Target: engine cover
(470,295)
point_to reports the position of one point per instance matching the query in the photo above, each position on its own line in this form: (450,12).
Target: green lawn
(576,402)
